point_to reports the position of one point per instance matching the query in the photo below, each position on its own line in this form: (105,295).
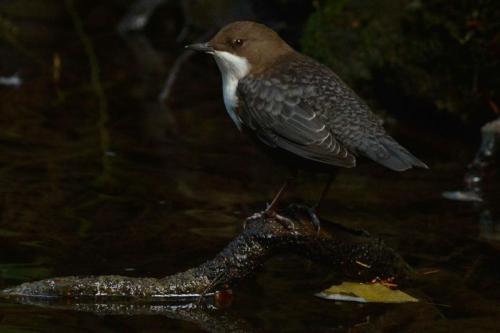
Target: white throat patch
(233,68)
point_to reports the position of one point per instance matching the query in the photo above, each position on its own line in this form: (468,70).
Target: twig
(95,81)
(176,67)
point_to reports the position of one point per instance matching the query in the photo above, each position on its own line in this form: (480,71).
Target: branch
(353,253)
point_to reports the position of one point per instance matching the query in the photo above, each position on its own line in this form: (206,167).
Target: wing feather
(305,108)
(281,118)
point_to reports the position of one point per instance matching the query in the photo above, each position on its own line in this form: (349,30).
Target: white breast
(232,68)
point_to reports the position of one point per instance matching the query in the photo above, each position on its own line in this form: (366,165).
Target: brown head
(258,44)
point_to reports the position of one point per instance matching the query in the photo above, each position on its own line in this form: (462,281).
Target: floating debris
(467,196)
(14,81)
(365,293)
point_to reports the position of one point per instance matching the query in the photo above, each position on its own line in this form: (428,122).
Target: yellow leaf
(365,293)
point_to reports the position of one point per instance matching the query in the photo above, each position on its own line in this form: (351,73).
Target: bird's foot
(271,214)
(283,220)
(253,217)
(315,221)
(308,213)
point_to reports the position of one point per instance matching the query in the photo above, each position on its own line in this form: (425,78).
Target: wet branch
(352,253)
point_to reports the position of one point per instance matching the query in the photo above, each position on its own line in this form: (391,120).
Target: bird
(291,103)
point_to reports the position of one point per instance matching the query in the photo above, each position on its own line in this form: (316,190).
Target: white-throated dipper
(290,102)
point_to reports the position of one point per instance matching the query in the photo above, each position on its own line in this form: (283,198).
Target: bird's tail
(392,155)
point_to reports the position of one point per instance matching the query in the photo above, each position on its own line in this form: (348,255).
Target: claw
(285,222)
(253,217)
(271,214)
(314,219)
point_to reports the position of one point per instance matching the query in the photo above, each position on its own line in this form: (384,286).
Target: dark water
(96,177)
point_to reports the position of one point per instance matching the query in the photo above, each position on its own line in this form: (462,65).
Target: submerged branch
(354,254)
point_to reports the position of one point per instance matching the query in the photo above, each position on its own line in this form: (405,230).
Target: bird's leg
(314,218)
(270,211)
(324,193)
(314,210)
(271,208)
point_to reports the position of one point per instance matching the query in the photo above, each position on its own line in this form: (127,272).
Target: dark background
(99,177)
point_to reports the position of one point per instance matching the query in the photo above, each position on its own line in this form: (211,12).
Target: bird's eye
(237,42)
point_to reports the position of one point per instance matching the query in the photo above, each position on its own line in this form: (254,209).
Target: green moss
(8,30)
(439,53)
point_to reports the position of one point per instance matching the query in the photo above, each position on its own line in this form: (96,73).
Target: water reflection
(481,183)
(487,213)
(206,316)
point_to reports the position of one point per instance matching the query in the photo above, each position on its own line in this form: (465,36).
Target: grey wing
(354,125)
(361,131)
(280,116)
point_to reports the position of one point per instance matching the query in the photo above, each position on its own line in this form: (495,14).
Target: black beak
(201,47)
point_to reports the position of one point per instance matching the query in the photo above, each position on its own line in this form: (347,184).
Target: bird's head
(244,47)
